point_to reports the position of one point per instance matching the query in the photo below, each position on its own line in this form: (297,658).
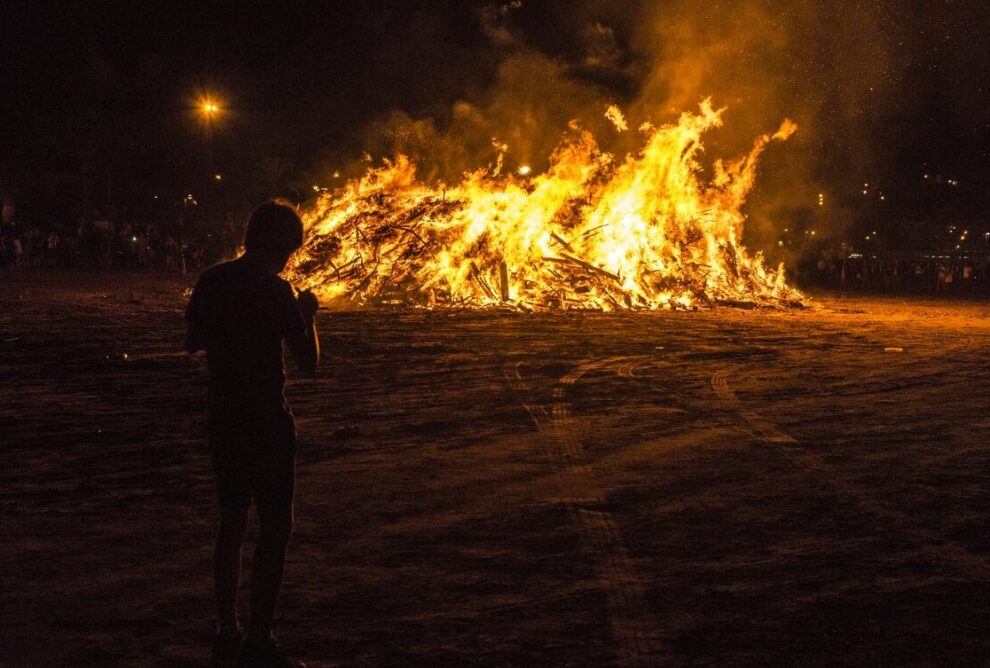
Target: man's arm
(195,317)
(195,337)
(303,342)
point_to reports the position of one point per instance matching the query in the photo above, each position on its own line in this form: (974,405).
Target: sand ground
(805,487)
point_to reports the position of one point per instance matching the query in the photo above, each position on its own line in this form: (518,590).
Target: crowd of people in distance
(141,247)
(95,246)
(957,274)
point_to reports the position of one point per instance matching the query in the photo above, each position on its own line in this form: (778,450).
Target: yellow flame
(614,114)
(588,232)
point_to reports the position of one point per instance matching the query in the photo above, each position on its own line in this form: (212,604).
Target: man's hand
(308,304)
(195,338)
(305,344)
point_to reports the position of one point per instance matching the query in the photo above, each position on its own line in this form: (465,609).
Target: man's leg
(234,498)
(275,527)
(227,567)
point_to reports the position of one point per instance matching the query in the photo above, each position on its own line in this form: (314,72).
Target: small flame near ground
(591,232)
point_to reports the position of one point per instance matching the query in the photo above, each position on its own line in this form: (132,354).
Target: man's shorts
(254,461)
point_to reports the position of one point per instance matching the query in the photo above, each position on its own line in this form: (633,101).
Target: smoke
(827,66)
(527,109)
(823,65)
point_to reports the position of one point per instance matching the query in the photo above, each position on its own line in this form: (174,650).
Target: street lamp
(209,108)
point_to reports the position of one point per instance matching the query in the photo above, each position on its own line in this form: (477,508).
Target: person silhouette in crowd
(240,313)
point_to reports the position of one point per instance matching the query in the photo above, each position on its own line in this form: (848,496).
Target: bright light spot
(926,176)
(524,170)
(812,233)
(336,175)
(780,243)
(133,238)
(209,107)
(316,189)
(218,177)
(865,192)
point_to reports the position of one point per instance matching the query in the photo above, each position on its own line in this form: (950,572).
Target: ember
(590,233)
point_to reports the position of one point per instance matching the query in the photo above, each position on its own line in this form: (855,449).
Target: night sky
(99,97)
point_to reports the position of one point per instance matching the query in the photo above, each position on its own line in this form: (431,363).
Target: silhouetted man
(240,313)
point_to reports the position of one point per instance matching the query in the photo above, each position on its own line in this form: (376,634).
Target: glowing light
(218,177)
(209,107)
(525,170)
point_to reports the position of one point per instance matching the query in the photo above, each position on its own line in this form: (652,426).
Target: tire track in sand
(956,556)
(581,494)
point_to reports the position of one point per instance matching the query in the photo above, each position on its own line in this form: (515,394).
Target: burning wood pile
(589,233)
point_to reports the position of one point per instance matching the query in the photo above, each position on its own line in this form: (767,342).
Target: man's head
(274,232)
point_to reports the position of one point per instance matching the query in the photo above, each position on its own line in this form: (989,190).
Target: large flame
(646,232)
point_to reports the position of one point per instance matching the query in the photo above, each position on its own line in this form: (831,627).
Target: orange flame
(589,233)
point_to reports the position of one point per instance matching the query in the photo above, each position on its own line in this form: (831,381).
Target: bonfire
(591,232)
